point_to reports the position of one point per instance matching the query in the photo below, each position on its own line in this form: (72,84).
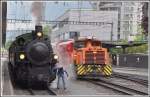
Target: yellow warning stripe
(106,67)
(105,73)
(108,71)
(99,69)
(88,69)
(109,66)
(91,70)
(79,67)
(80,70)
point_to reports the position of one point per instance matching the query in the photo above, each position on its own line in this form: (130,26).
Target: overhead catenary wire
(55,22)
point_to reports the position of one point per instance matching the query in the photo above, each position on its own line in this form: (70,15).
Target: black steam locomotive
(31,59)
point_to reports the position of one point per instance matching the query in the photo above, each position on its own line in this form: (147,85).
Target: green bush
(138,49)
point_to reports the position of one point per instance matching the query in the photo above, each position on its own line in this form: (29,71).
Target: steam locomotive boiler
(31,59)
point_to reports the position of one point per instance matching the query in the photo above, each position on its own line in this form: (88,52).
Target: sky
(53,9)
(19,10)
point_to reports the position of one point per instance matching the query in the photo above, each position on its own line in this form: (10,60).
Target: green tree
(47,30)
(7,44)
(140,35)
(139,49)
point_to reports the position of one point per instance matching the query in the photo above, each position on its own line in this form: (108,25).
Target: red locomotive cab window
(96,43)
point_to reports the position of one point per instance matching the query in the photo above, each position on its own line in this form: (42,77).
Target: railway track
(116,87)
(40,92)
(33,91)
(137,80)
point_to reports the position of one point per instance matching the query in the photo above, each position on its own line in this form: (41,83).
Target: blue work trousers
(63,80)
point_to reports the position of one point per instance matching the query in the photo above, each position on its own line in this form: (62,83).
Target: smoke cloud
(37,11)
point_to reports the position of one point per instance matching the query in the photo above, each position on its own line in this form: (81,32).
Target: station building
(107,31)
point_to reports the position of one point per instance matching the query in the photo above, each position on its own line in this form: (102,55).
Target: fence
(130,60)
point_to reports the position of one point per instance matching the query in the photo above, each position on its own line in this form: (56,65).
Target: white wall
(101,32)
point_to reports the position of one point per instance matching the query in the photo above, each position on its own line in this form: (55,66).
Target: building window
(131,16)
(74,35)
(118,28)
(118,36)
(132,8)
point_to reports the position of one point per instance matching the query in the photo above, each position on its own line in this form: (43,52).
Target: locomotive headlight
(39,34)
(22,56)
(55,57)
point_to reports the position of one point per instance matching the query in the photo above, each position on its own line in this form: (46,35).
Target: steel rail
(117,87)
(137,80)
(47,92)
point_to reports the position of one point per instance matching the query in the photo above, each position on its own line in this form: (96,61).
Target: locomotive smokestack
(37,11)
(38,28)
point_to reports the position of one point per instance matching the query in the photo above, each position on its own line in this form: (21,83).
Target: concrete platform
(6,88)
